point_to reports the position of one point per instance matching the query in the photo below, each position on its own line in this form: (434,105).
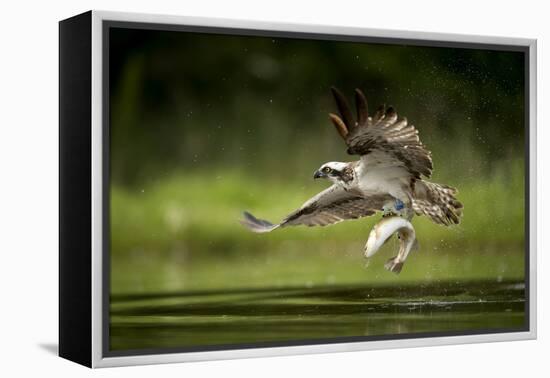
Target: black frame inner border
(105,35)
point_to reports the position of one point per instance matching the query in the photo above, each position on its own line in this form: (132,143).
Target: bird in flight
(389,177)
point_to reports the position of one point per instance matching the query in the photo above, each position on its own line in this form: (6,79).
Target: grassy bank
(182,232)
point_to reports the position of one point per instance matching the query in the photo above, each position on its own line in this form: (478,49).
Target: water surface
(195,319)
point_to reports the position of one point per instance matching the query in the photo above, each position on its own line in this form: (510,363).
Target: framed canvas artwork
(234,189)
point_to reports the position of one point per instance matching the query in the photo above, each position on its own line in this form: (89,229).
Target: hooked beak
(319,174)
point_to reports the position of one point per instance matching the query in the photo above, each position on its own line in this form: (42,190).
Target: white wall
(28,186)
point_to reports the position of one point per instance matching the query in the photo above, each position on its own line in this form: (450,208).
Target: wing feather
(384,132)
(331,206)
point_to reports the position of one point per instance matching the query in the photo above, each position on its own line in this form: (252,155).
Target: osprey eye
(326,170)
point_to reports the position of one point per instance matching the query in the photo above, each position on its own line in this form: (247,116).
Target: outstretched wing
(331,206)
(393,141)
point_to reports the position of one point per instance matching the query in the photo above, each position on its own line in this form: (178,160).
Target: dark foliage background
(184,101)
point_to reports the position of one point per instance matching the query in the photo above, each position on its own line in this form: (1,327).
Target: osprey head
(337,172)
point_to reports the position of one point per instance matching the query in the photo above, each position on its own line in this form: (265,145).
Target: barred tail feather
(438,202)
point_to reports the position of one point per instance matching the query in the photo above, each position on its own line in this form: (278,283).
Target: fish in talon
(381,233)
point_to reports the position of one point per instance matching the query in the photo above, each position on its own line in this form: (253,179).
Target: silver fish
(380,234)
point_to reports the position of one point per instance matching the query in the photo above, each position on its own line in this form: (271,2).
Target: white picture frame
(98,356)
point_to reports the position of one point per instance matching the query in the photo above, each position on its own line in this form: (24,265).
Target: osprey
(390,175)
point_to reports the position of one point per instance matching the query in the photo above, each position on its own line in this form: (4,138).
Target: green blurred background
(204,126)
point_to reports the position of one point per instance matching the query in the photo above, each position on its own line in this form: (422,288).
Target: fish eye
(326,170)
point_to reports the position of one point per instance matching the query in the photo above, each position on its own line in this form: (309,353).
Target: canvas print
(279,190)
